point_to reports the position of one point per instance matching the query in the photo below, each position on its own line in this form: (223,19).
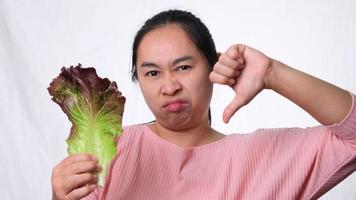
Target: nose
(171,85)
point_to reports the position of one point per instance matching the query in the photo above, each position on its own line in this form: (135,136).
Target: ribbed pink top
(286,163)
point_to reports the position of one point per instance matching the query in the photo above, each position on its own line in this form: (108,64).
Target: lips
(175,105)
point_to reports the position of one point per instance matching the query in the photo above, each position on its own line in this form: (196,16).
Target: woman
(180,156)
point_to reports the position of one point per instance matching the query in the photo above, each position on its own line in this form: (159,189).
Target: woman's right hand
(75,177)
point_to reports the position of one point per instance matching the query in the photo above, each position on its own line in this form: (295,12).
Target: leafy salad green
(95,108)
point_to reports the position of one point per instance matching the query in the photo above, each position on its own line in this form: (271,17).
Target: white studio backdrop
(38,37)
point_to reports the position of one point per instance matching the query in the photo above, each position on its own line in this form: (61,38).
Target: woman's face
(174,78)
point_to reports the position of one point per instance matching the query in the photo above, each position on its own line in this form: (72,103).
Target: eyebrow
(181,59)
(176,61)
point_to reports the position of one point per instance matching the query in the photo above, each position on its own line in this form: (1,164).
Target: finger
(58,169)
(79,180)
(226,71)
(236,52)
(78,157)
(231,109)
(82,167)
(227,61)
(81,192)
(220,79)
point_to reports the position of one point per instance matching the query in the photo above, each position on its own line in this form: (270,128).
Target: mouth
(175,105)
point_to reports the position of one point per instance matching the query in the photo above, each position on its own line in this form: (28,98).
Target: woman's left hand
(245,70)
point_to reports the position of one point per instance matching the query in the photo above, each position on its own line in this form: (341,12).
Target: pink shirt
(285,163)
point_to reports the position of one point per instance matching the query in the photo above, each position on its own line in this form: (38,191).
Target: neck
(189,137)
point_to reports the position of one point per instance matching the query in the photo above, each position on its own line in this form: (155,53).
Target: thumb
(231,109)
(236,51)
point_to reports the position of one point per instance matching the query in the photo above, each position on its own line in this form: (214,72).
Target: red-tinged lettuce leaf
(95,108)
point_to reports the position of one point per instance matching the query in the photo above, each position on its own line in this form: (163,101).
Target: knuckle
(72,182)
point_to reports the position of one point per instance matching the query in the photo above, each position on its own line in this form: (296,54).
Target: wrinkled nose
(171,86)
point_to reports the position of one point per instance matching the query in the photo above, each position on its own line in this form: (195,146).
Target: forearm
(327,103)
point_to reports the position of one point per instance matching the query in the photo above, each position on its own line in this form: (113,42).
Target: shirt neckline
(152,135)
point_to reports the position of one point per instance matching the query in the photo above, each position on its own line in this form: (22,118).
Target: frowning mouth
(175,105)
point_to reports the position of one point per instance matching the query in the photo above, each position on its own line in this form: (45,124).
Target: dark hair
(192,25)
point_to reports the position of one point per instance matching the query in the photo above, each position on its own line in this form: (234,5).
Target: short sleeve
(346,129)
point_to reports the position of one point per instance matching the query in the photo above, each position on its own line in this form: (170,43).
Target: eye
(183,67)
(152,73)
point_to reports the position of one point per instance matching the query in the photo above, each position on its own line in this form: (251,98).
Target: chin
(175,122)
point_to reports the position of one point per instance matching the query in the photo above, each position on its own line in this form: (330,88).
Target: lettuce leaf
(95,108)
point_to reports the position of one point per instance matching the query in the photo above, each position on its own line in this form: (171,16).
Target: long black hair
(192,25)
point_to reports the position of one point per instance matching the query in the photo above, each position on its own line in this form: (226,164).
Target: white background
(38,37)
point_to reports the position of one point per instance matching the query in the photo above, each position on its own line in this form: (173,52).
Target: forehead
(166,43)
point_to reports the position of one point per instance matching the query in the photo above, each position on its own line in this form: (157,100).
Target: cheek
(201,90)
(148,94)
(205,92)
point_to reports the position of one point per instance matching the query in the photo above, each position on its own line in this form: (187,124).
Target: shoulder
(133,130)
(129,129)
(291,131)
(295,133)
(132,133)
(285,136)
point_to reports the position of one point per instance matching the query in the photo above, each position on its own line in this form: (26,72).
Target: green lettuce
(95,107)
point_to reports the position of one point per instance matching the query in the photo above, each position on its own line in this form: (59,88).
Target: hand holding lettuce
(95,108)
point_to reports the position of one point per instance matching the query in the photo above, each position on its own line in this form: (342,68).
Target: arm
(248,71)
(325,154)
(327,103)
